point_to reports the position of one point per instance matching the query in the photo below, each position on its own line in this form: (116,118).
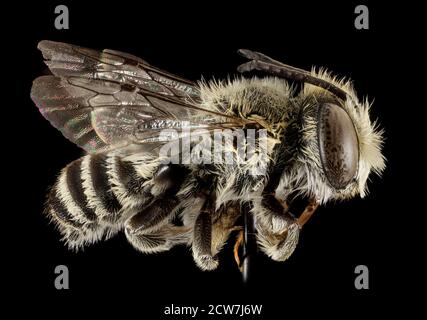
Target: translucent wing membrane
(66,60)
(109,99)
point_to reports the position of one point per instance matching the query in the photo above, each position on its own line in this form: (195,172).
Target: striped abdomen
(95,194)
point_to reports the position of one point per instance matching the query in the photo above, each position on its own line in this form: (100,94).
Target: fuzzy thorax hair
(293,130)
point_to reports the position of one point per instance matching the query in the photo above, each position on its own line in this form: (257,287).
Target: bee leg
(307,213)
(149,230)
(275,213)
(165,185)
(153,215)
(275,205)
(202,242)
(223,224)
(237,245)
(279,245)
(159,240)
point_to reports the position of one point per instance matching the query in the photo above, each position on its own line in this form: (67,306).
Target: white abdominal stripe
(93,196)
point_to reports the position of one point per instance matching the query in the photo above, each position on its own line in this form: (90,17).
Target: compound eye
(338,145)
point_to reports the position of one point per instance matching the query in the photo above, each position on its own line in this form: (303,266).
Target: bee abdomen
(75,187)
(93,196)
(99,188)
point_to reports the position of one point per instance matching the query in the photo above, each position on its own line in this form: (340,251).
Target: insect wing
(108,99)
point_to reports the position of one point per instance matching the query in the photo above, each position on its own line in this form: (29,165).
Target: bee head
(338,144)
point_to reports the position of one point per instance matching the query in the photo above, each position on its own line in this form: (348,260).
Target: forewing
(67,60)
(104,100)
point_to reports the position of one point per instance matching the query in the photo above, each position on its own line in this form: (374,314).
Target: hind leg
(150,229)
(158,240)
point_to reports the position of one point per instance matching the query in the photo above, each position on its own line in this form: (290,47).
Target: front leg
(273,213)
(308,212)
(278,230)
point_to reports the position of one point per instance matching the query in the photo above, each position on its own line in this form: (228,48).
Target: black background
(192,40)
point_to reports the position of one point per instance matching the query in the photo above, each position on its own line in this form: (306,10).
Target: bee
(319,145)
